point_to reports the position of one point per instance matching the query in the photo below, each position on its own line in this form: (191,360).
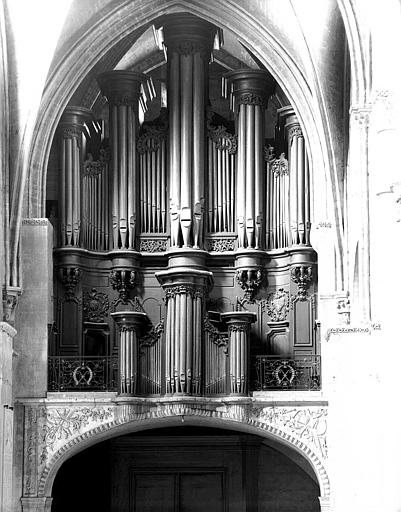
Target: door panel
(200,492)
(154,492)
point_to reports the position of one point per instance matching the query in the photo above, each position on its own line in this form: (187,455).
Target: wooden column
(123,89)
(238,349)
(185,290)
(189,42)
(129,324)
(250,90)
(71,128)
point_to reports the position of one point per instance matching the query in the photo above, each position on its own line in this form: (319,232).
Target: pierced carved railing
(70,373)
(286,373)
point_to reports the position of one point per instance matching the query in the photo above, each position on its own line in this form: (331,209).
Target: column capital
(129,320)
(238,320)
(187,34)
(73,120)
(251,86)
(121,87)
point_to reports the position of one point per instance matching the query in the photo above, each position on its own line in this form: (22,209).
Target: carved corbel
(302,277)
(10,300)
(123,281)
(69,277)
(250,280)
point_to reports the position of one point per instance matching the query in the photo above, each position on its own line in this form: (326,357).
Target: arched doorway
(186,468)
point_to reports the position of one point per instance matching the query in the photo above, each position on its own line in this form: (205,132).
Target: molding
(35,222)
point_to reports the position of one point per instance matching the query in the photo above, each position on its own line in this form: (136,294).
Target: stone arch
(117,24)
(172,416)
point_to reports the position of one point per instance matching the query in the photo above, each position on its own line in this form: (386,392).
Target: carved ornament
(240,327)
(69,277)
(194,291)
(123,281)
(152,245)
(295,131)
(71,132)
(224,140)
(250,98)
(215,336)
(10,299)
(277,305)
(154,133)
(344,310)
(149,339)
(96,306)
(279,166)
(268,152)
(302,276)
(249,280)
(220,244)
(93,168)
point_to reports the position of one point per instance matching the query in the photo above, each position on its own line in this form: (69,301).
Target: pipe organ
(184,258)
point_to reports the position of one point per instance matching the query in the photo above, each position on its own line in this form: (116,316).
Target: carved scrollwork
(152,336)
(215,336)
(122,281)
(223,139)
(220,244)
(250,98)
(277,305)
(302,276)
(295,131)
(151,140)
(192,291)
(249,280)
(238,327)
(96,306)
(153,245)
(279,166)
(69,277)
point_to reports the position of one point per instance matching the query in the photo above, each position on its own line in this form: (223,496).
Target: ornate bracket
(10,299)
(122,281)
(302,276)
(217,337)
(69,277)
(250,280)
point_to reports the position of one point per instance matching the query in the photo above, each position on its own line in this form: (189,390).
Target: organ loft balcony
(181,206)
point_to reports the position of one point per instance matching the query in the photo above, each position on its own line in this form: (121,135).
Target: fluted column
(250,90)
(129,324)
(71,127)
(239,323)
(299,200)
(185,290)
(123,90)
(189,42)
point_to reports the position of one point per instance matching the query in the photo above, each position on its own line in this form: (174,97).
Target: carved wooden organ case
(183,249)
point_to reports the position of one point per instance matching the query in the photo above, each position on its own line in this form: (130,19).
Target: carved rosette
(277,305)
(96,306)
(69,277)
(302,276)
(250,280)
(123,281)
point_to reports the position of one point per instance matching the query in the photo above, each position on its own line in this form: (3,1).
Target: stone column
(251,90)
(42,504)
(185,290)
(123,90)
(7,333)
(299,200)
(189,43)
(238,342)
(129,324)
(71,129)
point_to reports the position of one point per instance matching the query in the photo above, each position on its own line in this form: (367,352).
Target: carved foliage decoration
(193,291)
(215,336)
(279,166)
(220,244)
(302,276)
(153,245)
(10,300)
(96,306)
(250,98)
(249,280)
(152,336)
(277,305)
(69,277)
(122,281)
(153,133)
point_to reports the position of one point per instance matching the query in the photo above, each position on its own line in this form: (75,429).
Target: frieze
(307,424)
(36,222)
(250,98)
(220,244)
(152,245)
(96,306)
(51,432)
(277,305)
